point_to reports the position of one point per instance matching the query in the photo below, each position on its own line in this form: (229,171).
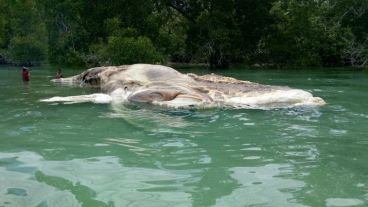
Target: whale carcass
(164,86)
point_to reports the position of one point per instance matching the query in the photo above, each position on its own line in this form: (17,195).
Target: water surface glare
(54,155)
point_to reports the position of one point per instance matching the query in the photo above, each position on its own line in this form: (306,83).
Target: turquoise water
(105,155)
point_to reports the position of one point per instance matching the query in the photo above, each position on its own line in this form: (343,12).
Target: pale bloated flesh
(164,86)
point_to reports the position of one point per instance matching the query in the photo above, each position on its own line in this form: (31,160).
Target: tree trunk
(218,60)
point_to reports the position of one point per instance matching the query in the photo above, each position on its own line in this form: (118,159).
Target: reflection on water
(30,180)
(262,185)
(99,181)
(147,118)
(19,186)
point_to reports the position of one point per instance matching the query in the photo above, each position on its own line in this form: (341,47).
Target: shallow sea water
(90,155)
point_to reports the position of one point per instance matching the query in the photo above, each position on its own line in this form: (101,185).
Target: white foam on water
(252,158)
(342,202)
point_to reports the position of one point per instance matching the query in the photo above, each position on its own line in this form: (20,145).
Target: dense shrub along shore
(327,33)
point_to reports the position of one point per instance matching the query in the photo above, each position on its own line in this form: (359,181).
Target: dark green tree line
(23,33)
(216,32)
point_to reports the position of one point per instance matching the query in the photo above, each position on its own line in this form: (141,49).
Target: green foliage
(3,33)
(2,30)
(353,14)
(26,50)
(305,35)
(217,32)
(128,50)
(23,37)
(72,58)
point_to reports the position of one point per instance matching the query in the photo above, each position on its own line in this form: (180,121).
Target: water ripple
(106,177)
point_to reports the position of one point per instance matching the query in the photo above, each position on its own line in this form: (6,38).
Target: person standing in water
(59,74)
(25,74)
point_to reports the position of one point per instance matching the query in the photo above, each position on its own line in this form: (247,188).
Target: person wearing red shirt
(25,74)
